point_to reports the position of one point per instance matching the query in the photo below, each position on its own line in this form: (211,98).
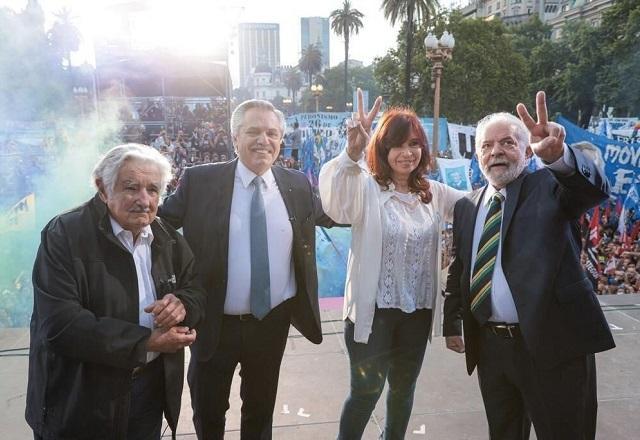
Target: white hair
(107,169)
(238,114)
(521,131)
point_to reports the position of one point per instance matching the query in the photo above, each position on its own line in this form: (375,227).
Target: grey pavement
(314,382)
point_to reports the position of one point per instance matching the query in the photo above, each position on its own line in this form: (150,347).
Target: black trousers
(142,408)
(258,346)
(561,402)
(147,402)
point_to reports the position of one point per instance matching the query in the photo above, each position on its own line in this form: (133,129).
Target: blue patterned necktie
(260,280)
(486,261)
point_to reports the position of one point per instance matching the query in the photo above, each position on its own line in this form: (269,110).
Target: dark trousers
(147,402)
(394,352)
(142,408)
(561,402)
(258,346)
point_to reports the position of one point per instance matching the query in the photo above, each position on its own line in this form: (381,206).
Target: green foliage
(310,61)
(619,79)
(495,67)
(345,22)
(293,81)
(358,77)
(486,73)
(412,13)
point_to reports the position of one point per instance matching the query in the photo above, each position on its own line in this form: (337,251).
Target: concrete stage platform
(314,383)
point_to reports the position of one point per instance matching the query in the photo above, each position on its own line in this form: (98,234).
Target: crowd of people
(618,257)
(209,142)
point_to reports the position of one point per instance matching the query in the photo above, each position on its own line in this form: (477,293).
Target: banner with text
(621,160)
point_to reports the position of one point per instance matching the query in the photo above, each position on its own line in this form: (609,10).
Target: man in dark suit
(532,322)
(251,226)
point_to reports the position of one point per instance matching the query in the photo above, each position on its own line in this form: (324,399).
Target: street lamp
(316,91)
(438,51)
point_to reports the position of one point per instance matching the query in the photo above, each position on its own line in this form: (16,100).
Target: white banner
(462,139)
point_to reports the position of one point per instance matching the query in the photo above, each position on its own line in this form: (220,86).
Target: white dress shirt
(503,308)
(279,238)
(141,252)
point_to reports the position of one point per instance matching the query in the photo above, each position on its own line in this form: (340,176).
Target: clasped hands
(168,337)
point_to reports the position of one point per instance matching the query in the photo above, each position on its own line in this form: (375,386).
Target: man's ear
(101,190)
(528,152)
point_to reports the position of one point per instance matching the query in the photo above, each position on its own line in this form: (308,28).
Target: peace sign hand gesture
(546,138)
(359,128)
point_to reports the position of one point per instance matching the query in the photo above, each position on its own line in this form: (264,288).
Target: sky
(204,20)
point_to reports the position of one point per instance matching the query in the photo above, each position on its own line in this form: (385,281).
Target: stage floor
(314,383)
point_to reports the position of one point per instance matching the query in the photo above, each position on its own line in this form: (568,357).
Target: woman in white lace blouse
(396,216)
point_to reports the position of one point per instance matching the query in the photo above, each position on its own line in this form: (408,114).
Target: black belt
(504,329)
(245,317)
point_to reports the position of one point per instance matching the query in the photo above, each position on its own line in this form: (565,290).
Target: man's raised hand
(546,138)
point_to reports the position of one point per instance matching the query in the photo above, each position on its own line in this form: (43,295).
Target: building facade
(552,12)
(315,30)
(258,44)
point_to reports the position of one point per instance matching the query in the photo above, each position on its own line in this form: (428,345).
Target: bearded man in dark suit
(532,321)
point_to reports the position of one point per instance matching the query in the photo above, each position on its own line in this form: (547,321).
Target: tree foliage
(411,13)
(474,83)
(619,79)
(358,77)
(64,37)
(310,61)
(345,22)
(494,67)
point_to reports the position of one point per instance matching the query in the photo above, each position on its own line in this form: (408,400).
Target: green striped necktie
(486,261)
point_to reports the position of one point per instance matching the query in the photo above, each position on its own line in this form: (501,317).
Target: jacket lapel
(513,195)
(219,210)
(286,190)
(469,224)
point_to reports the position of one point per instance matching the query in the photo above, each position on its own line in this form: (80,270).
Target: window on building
(489,10)
(497,6)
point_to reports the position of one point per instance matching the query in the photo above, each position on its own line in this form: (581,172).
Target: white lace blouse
(407,269)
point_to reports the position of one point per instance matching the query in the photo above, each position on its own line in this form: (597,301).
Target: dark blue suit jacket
(560,317)
(201,206)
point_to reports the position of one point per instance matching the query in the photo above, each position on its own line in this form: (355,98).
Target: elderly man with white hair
(532,322)
(115,303)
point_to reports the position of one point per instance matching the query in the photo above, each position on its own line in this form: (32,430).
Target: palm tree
(311,61)
(293,82)
(345,22)
(409,11)
(64,37)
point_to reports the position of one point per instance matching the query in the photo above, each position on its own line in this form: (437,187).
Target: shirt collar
(490,192)
(246,176)
(145,234)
